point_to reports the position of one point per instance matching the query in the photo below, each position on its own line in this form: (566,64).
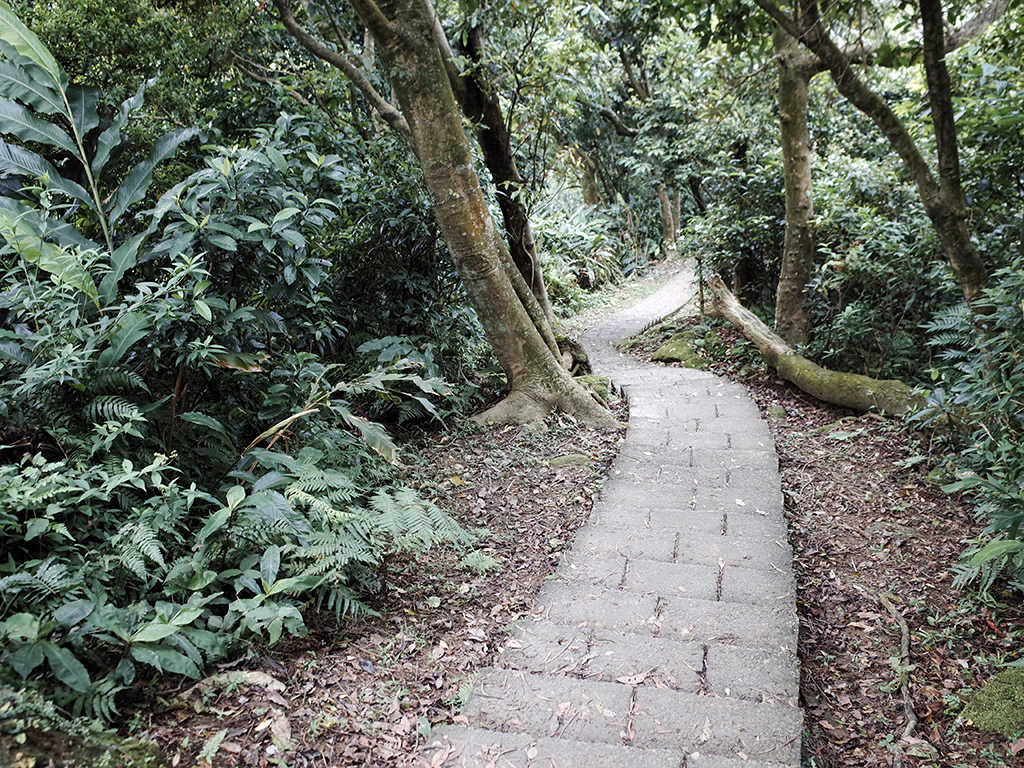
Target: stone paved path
(667,637)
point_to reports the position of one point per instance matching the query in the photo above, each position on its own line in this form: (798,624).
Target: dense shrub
(188,458)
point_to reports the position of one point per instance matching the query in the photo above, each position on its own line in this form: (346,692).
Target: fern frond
(105,408)
(414,524)
(136,542)
(112,381)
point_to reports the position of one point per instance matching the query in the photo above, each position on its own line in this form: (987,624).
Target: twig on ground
(904,679)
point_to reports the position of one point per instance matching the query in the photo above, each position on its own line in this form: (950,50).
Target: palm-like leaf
(21,162)
(134,187)
(18,83)
(17,120)
(25,42)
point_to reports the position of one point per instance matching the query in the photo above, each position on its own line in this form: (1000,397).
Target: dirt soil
(874,537)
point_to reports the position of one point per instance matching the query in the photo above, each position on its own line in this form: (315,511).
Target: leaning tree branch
(621,126)
(390,114)
(850,390)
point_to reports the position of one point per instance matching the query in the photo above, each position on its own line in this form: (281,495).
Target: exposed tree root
(850,390)
(534,401)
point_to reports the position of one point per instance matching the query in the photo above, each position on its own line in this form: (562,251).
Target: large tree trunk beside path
(537,382)
(850,390)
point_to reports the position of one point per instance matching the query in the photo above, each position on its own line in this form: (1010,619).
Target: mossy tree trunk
(403,31)
(850,390)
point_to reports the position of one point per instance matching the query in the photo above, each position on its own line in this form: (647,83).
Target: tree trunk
(482,107)
(677,213)
(668,229)
(590,184)
(796,69)
(537,382)
(850,390)
(943,200)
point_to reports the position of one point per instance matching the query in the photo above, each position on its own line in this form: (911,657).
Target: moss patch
(678,349)
(999,705)
(601,385)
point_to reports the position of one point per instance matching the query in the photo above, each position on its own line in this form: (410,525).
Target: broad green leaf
(18,121)
(48,228)
(24,40)
(995,549)
(296,584)
(83,99)
(66,667)
(134,187)
(235,495)
(21,162)
(202,580)
(17,83)
(122,259)
(36,527)
(277,159)
(111,136)
(14,352)
(133,327)
(203,309)
(269,565)
(126,671)
(21,626)
(62,263)
(154,632)
(164,660)
(223,242)
(186,616)
(217,521)
(71,613)
(26,658)
(284,213)
(194,417)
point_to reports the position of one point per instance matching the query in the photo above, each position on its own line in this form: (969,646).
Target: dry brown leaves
(365,692)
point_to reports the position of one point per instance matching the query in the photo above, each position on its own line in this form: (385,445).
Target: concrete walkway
(667,637)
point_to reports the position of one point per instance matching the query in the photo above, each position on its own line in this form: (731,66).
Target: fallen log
(851,390)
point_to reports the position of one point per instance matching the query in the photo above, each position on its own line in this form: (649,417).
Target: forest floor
(868,520)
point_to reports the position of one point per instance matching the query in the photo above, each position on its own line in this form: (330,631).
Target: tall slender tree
(406,37)
(942,195)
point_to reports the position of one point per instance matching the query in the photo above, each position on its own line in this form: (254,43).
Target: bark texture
(850,390)
(943,199)
(482,107)
(796,69)
(403,30)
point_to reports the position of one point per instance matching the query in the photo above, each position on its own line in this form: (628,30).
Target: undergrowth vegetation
(196,389)
(205,378)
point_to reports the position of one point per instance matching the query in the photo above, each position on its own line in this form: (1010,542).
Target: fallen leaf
(280,730)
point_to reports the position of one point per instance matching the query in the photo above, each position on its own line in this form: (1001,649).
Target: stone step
(635,717)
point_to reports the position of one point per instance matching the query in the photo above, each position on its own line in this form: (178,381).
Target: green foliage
(189,451)
(583,249)
(980,378)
